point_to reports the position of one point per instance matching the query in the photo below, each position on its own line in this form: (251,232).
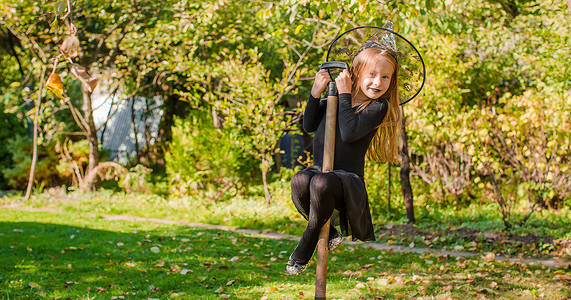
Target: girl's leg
(300,198)
(300,192)
(325,191)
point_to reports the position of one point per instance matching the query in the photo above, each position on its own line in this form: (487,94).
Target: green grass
(69,254)
(282,217)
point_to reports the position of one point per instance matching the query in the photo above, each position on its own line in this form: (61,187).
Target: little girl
(367,124)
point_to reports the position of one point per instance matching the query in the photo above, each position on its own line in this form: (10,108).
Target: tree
(100,36)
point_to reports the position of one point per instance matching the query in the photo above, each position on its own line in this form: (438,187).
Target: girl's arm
(314,111)
(355,126)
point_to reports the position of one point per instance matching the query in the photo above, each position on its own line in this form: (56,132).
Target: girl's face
(375,79)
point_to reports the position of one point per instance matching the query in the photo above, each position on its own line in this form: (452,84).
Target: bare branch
(77,116)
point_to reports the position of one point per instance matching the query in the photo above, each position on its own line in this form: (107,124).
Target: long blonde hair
(385,143)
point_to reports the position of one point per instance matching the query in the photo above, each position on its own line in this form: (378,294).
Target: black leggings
(315,196)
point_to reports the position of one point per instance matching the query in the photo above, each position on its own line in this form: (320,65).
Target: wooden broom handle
(328,160)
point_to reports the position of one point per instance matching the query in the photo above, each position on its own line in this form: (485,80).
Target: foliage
(136,180)
(250,103)
(204,160)
(480,92)
(19,148)
(10,127)
(526,151)
(496,71)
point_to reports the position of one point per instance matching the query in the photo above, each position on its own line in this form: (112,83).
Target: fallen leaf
(234,259)
(160,264)
(490,257)
(360,285)
(229,283)
(34,285)
(225,296)
(219,290)
(175,268)
(155,249)
(487,290)
(185,271)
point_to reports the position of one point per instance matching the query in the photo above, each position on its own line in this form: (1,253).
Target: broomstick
(328,159)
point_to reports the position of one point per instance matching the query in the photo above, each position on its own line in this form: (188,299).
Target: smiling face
(375,79)
(373,72)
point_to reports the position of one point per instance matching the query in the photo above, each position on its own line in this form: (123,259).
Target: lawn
(79,255)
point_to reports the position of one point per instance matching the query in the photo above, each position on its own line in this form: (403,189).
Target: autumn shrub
(524,150)
(46,173)
(205,160)
(137,180)
(491,125)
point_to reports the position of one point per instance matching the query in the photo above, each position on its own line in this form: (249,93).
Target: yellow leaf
(298,28)
(400,295)
(55,85)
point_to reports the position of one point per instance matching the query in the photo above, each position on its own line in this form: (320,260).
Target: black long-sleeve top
(353,133)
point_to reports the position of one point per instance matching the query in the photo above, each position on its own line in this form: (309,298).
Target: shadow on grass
(46,260)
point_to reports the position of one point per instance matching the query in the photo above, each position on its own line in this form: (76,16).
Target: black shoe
(294,268)
(335,239)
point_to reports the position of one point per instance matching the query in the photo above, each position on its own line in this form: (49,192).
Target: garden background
(190,111)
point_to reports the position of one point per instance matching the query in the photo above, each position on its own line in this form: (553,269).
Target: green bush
(46,173)
(10,127)
(207,160)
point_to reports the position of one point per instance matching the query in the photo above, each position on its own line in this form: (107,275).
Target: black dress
(353,134)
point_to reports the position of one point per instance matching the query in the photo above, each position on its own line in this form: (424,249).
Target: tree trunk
(35,138)
(135,129)
(266,190)
(91,137)
(389,189)
(405,171)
